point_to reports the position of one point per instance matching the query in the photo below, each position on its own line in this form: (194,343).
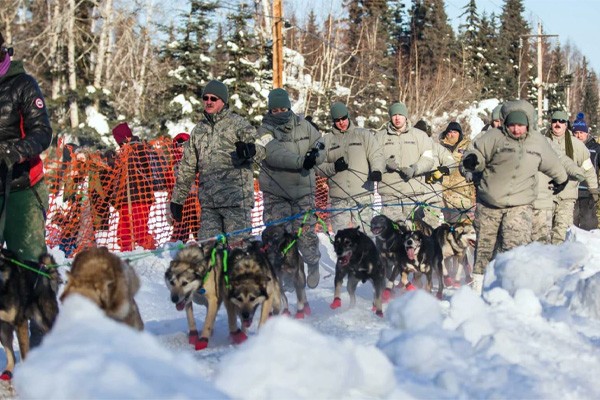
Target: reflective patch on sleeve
(587,164)
(264,139)
(39,103)
(427,153)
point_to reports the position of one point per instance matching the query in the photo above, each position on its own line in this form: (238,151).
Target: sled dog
(106,280)
(424,256)
(25,295)
(389,240)
(252,282)
(194,276)
(357,257)
(282,253)
(457,243)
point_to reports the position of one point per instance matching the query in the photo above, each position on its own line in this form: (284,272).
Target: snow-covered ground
(535,333)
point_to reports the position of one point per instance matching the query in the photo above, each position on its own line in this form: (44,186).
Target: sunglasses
(562,121)
(336,120)
(211,98)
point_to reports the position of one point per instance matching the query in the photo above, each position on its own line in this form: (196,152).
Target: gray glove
(391,165)
(468,176)
(579,177)
(406,173)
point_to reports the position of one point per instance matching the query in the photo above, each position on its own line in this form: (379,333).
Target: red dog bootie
(410,287)
(238,337)
(201,343)
(337,303)
(307,309)
(193,337)
(299,314)
(386,296)
(450,282)
(286,312)
(6,376)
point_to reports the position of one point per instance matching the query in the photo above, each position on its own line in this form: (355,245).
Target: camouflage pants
(398,209)
(276,208)
(510,226)
(541,225)
(215,221)
(356,217)
(562,219)
(25,230)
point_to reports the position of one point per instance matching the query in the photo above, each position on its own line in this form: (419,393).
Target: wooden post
(277,44)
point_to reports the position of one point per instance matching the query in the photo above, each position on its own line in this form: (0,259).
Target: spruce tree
(590,101)
(470,40)
(513,50)
(243,67)
(556,91)
(189,53)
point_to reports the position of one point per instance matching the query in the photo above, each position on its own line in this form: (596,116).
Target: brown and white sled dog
(193,276)
(424,256)
(108,281)
(251,282)
(283,254)
(357,258)
(25,295)
(457,242)
(389,240)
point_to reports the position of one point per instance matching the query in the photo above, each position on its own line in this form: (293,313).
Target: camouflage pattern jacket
(224,179)
(362,152)
(458,191)
(286,146)
(409,148)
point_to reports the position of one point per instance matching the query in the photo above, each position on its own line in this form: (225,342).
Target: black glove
(557,187)
(340,164)
(176,211)
(470,162)
(375,176)
(444,170)
(245,150)
(406,173)
(8,155)
(310,159)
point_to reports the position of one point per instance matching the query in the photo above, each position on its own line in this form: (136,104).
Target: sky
(573,20)
(533,334)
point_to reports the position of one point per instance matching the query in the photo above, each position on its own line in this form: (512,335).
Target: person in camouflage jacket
(222,149)
(459,194)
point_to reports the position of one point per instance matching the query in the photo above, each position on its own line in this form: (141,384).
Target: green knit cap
(217,88)
(496,112)
(516,117)
(398,109)
(560,115)
(279,98)
(338,110)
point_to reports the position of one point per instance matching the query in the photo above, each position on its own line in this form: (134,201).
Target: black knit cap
(453,126)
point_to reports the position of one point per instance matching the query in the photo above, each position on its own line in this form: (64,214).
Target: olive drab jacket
(286,146)
(361,150)
(409,148)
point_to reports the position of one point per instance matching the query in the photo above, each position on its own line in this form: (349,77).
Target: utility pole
(540,76)
(277,44)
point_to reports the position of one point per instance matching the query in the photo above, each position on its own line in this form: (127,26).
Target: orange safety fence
(120,199)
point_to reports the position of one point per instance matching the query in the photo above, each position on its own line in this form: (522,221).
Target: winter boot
(477,283)
(312,278)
